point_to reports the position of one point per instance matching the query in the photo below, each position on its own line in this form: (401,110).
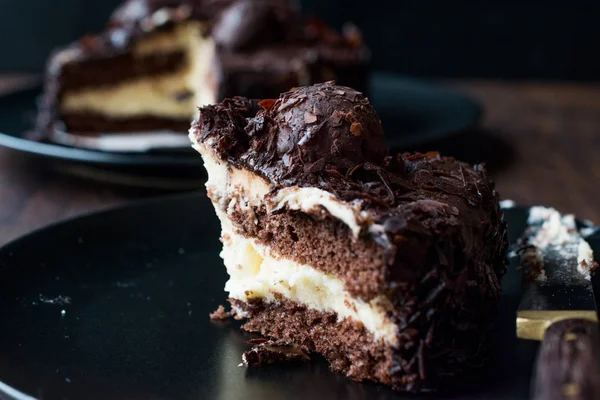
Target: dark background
(540,39)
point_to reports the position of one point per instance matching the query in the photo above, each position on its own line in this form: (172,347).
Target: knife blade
(558,307)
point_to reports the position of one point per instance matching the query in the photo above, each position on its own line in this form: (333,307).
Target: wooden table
(541,141)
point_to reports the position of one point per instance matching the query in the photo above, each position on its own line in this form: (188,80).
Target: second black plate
(412,112)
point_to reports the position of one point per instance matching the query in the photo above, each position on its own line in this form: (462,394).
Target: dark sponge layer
(417,364)
(347,346)
(118,69)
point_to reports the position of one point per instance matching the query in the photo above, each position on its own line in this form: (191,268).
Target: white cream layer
(157,95)
(255,273)
(255,191)
(307,199)
(154,96)
(559,231)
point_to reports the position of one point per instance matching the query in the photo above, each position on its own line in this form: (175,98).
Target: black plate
(413,112)
(115,305)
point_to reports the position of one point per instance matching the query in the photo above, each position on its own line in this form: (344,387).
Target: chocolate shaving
(309,117)
(387,186)
(317,166)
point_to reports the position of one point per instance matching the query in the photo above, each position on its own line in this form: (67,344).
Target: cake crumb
(220,314)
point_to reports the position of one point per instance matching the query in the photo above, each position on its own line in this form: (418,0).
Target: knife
(558,307)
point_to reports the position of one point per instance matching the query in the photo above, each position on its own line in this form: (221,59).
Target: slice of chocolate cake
(390,267)
(158,60)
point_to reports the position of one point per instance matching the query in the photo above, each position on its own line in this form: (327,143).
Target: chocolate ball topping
(330,122)
(309,131)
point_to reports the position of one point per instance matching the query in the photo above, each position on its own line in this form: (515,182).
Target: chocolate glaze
(326,122)
(247,22)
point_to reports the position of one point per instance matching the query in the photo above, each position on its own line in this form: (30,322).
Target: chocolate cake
(158,60)
(388,266)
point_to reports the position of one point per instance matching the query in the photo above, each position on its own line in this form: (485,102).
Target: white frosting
(309,199)
(585,256)
(255,191)
(256,274)
(556,229)
(559,232)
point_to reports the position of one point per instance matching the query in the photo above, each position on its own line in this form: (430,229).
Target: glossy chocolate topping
(326,121)
(246,23)
(306,129)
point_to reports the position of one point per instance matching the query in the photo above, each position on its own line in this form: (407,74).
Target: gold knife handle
(568,364)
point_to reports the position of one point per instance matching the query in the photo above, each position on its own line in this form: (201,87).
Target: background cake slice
(390,267)
(158,60)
